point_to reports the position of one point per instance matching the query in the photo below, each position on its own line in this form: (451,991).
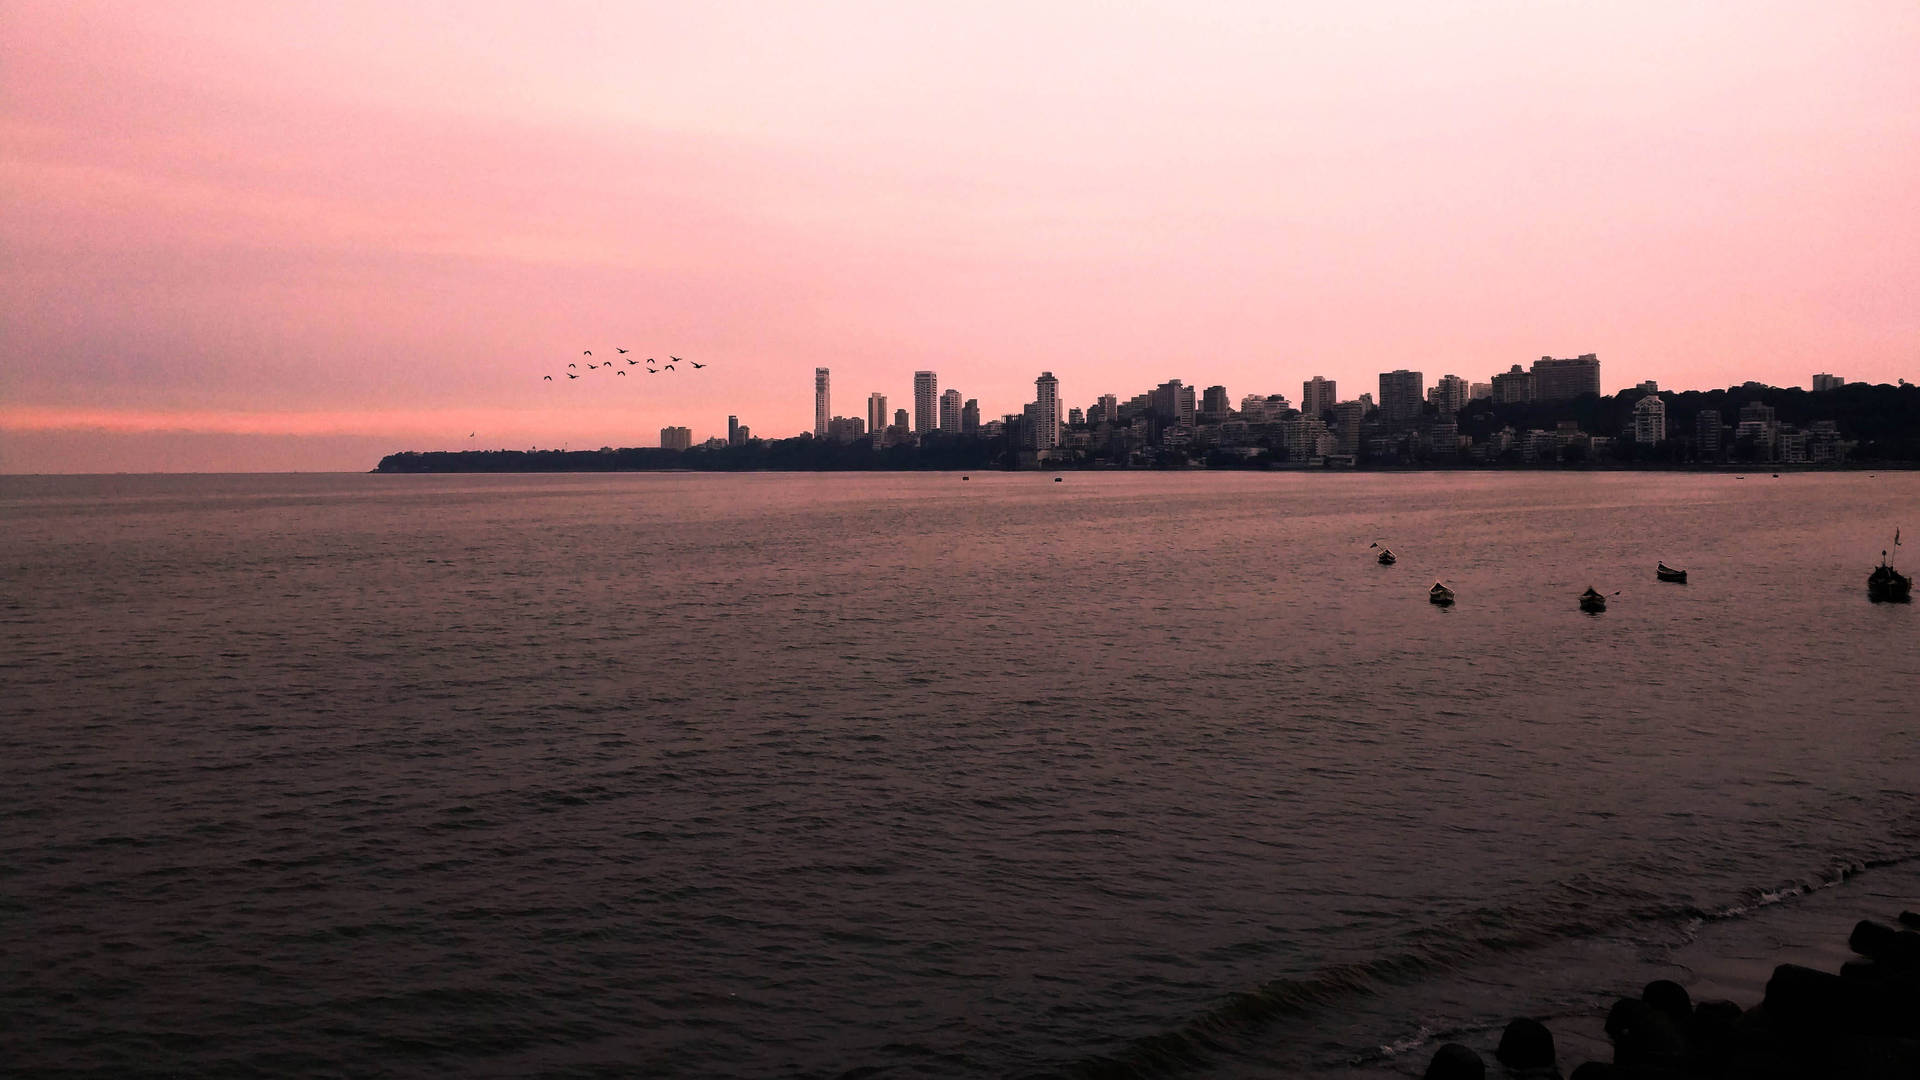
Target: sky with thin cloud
(300,235)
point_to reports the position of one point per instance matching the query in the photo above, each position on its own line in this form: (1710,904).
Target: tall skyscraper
(1316,395)
(970,417)
(733,431)
(1348,418)
(1401,395)
(1513,387)
(1559,380)
(1109,409)
(1186,407)
(676,438)
(822,403)
(926,402)
(950,410)
(1046,434)
(876,412)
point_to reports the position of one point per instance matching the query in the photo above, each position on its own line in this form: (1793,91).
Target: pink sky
(298,235)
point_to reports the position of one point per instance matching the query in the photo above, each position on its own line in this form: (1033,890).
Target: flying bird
(653,371)
(586,352)
(618,349)
(549,378)
(631,360)
(571,375)
(593,367)
(675,359)
(619,373)
(669,367)
(573,365)
(697,366)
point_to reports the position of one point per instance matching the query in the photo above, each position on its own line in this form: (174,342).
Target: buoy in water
(1056,479)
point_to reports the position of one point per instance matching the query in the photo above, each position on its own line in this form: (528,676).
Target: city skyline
(259,237)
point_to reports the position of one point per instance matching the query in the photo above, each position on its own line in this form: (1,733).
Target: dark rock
(1669,997)
(1643,1036)
(1803,1003)
(1711,1032)
(1526,1044)
(1456,1062)
(1872,939)
(1910,920)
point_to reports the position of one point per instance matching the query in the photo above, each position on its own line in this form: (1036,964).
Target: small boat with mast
(1887,585)
(1664,572)
(1592,601)
(1386,554)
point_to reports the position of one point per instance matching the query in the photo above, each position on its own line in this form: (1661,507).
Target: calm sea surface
(905,775)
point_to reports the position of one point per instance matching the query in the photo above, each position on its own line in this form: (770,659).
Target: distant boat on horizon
(1668,573)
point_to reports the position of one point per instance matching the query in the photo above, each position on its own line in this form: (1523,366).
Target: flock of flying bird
(613,365)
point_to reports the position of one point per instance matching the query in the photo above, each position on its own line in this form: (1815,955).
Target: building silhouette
(1214,404)
(1649,420)
(1450,394)
(1559,380)
(1513,387)
(1824,381)
(950,410)
(1046,415)
(1402,393)
(1316,395)
(926,402)
(970,417)
(734,436)
(1348,419)
(1109,410)
(876,412)
(676,438)
(822,403)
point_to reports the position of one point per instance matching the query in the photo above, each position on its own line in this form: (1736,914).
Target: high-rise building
(1560,380)
(1401,395)
(950,410)
(1706,434)
(1076,416)
(1514,387)
(733,431)
(1186,408)
(876,412)
(1316,396)
(676,438)
(1450,395)
(1827,382)
(970,417)
(926,402)
(846,429)
(822,403)
(900,419)
(1348,417)
(1480,391)
(1649,420)
(1163,402)
(1109,408)
(1046,434)
(1214,403)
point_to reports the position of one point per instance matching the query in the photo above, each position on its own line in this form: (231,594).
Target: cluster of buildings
(1409,421)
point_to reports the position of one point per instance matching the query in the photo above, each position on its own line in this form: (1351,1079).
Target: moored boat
(1668,573)
(1592,601)
(1887,585)
(1386,557)
(1440,594)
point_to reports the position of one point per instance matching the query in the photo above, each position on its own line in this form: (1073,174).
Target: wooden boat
(1440,594)
(1386,557)
(1592,602)
(1668,573)
(1887,585)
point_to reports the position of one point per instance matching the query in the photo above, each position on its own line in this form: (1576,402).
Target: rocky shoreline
(1863,1021)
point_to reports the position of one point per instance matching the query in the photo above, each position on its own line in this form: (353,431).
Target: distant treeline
(800,454)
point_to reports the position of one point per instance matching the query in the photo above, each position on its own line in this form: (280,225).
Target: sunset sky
(301,235)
